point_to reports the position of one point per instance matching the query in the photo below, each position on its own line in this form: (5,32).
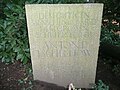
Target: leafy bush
(111,22)
(110,34)
(13,34)
(101,86)
(116,70)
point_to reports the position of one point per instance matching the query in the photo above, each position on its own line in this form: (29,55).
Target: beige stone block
(64,42)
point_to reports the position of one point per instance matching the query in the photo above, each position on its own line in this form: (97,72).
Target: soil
(18,77)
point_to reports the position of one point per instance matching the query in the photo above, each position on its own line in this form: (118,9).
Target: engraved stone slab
(64,41)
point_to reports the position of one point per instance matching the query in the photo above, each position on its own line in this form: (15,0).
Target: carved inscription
(64,49)
(68,28)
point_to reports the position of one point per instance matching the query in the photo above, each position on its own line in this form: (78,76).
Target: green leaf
(3,59)
(17,49)
(9,28)
(30,82)
(28,55)
(19,56)
(25,60)
(20,81)
(27,50)
(13,44)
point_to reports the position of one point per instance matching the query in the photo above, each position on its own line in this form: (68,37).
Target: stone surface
(64,42)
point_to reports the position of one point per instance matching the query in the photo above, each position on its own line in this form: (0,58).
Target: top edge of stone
(64,4)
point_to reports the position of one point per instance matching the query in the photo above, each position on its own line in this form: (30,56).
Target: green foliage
(26,81)
(55,1)
(13,34)
(101,86)
(23,82)
(108,35)
(111,14)
(116,69)
(110,32)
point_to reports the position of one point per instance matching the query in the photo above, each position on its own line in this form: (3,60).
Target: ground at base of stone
(15,77)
